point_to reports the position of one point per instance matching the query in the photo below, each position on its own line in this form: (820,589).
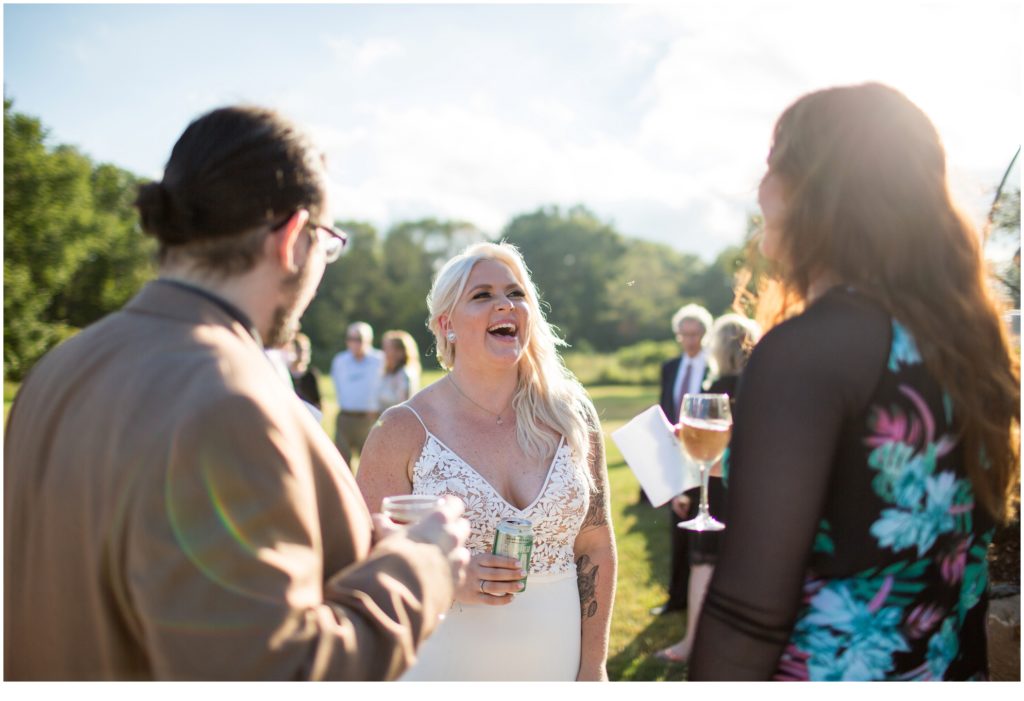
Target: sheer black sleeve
(805,379)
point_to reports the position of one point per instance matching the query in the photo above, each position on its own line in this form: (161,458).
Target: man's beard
(285,322)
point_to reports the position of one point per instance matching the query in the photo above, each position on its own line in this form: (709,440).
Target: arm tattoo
(586,581)
(597,512)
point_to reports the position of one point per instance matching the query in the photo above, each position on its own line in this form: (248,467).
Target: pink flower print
(923,620)
(793,665)
(893,428)
(879,598)
(954,563)
(945,443)
(923,411)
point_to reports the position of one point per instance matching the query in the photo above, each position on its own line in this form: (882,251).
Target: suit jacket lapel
(672,369)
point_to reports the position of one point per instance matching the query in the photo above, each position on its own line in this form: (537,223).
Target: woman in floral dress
(875,443)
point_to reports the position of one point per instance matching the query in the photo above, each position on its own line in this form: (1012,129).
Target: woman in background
(875,445)
(732,339)
(401,368)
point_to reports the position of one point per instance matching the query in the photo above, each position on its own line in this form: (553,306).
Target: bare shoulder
(398,431)
(385,465)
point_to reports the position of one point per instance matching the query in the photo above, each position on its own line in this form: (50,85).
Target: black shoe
(666,609)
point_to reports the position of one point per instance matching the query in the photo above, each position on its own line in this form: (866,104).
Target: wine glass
(705,426)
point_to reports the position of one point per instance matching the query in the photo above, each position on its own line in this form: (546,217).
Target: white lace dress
(537,636)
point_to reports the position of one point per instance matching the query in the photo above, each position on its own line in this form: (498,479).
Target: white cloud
(365,54)
(706,82)
(655,116)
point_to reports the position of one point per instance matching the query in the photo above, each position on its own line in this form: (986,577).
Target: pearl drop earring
(451,337)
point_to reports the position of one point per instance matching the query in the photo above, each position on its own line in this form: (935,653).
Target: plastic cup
(406,509)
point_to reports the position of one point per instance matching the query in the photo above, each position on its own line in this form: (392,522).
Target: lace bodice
(557,513)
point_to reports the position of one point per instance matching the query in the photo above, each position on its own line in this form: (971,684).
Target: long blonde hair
(732,339)
(547,395)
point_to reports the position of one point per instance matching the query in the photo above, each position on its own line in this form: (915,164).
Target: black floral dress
(855,549)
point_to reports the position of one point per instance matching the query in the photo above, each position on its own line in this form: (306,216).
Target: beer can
(514,538)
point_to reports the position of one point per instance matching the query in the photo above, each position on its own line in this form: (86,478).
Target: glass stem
(705,473)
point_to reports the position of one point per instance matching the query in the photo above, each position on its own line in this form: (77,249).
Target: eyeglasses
(332,241)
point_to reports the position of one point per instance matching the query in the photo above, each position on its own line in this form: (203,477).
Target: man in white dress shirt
(683,375)
(357,374)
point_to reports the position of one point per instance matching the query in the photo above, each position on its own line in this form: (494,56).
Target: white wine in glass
(705,426)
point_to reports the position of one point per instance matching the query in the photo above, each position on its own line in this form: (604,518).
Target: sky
(657,117)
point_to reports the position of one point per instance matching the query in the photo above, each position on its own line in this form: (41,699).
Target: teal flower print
(975,576)
(898,529)
(903,350)
(868,661)
(909,486)
(849,638)
(823,539)
(902,473)
(890,460)
(963,507)
(943,648)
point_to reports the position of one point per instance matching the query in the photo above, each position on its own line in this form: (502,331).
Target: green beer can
(514,538)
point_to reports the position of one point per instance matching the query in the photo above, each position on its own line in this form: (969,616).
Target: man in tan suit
(171,509)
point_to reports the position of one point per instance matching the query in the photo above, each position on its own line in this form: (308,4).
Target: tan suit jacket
(173,511)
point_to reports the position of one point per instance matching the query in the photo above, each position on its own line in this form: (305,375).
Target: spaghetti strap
(419,418)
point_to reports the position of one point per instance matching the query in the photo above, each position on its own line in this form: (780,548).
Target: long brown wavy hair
(867,200)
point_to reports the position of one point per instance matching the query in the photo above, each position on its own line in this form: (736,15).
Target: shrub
(639,364)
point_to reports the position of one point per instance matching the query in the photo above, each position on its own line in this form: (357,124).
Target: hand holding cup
(442,525)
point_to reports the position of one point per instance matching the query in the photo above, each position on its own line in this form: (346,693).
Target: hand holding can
(513,537)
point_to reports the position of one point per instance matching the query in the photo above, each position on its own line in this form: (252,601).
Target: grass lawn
(641,537)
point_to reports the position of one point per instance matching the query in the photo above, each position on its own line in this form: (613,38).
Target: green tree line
(73,252)
(72,248)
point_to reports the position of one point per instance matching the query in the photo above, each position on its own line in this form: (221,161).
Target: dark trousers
(679,543)
(350,431)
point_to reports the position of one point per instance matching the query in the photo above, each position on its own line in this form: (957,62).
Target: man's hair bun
(158,214)
(233,170)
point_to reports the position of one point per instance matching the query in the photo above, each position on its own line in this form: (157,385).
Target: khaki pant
(350,432)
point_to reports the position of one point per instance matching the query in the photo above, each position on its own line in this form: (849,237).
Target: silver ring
(482,587)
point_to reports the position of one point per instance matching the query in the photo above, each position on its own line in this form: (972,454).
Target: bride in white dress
(511,433)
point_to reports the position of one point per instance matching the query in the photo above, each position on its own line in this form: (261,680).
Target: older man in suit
(171,510)
(685,374)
